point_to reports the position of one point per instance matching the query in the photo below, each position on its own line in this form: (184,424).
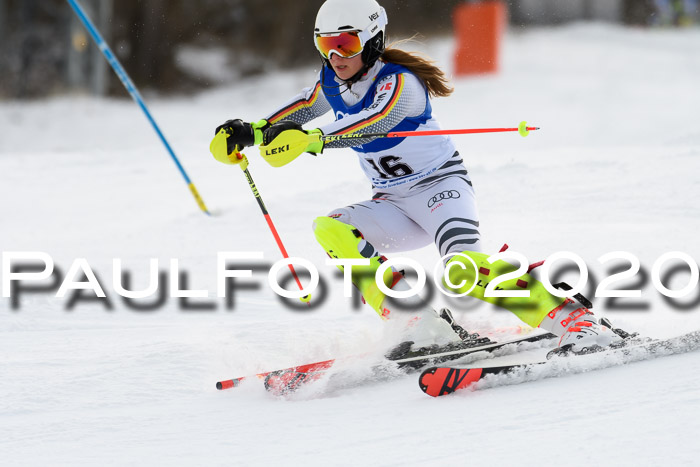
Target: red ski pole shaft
(523,129)
(466,131)
(268,219)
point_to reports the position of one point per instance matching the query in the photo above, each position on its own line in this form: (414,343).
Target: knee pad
(531,310)
(341,240)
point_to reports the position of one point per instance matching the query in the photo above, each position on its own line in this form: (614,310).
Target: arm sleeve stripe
(376,117)
(294,106)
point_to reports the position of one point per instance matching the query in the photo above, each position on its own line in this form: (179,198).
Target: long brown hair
(425,69)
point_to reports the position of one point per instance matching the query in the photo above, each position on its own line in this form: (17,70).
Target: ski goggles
(348,44)
(345,44)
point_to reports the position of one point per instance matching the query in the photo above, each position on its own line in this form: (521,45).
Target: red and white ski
(285,380)
(443,380)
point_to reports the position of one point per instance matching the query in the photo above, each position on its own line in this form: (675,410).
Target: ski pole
(131,89)
(244,167)
(523,129)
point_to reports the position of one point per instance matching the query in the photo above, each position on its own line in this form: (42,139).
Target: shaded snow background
(615,167)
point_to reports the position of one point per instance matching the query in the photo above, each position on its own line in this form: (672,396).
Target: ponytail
(432,77)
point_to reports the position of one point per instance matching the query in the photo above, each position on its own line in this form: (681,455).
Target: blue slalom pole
(131,88)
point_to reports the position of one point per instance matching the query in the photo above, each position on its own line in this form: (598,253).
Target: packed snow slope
(614,168)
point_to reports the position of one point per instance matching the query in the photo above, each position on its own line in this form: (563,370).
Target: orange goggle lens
(345,44)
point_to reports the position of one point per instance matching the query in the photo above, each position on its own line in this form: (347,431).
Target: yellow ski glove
(233,136)
(285,141)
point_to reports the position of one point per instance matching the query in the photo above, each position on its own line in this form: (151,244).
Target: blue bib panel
(339,106)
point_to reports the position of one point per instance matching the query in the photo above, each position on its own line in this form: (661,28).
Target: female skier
(422,192)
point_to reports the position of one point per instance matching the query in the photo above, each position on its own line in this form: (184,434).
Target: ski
(442,380)
(287,380)
(419,359)
(293,376)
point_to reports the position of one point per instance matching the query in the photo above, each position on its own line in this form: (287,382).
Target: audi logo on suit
(441,196)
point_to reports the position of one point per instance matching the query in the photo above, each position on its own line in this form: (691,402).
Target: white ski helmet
(366,17)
